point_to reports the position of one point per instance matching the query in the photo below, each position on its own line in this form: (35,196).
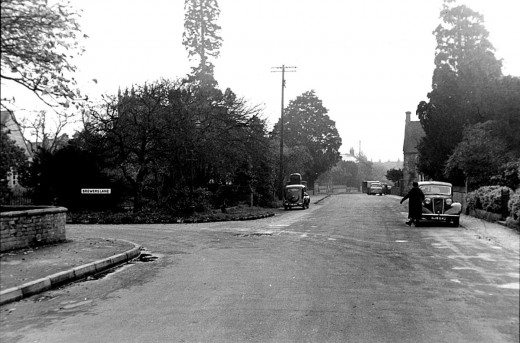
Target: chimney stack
(408,113)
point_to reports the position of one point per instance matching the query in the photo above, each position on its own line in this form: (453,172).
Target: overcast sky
(369,61)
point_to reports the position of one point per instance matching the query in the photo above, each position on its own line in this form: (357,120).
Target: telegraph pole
(283,69)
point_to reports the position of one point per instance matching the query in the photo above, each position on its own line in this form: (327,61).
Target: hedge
(488,198)
(514,205)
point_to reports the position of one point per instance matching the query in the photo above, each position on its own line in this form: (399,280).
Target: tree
(57,177)
(38,43)
(307,124)
(167,138)
(479,155)
(394,175)
(201,33)
(12,159)
(465,68)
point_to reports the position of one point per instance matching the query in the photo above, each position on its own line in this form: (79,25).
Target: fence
(18,199)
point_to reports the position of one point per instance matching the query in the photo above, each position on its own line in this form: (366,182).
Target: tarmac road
(345,270)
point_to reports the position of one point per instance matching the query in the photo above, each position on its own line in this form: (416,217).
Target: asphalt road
(345,270)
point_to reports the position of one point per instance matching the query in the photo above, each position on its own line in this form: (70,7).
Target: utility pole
(283,69)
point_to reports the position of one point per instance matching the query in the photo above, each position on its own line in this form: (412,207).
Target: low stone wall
(22,227)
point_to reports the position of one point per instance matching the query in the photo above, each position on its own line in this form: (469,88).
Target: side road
(30,271)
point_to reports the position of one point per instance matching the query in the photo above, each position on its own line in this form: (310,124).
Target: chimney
(408,113)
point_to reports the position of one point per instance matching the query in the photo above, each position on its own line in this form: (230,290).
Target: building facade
(413,132)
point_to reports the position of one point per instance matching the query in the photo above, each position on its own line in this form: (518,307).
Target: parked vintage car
(438,204)
(375,188)
(295,196)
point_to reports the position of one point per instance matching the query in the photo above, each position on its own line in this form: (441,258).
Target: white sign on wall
(95,191)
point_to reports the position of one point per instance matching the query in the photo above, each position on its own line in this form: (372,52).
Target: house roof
(14,132)
(413,132)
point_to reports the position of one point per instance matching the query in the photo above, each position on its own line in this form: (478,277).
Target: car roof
(438,183)
(295,186)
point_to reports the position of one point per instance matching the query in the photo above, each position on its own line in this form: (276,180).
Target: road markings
(510,286)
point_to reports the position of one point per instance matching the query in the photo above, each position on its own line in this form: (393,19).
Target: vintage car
(296,195)
(375,188)
(438,204)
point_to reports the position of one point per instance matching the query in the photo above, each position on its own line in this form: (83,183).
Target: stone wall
(22,227)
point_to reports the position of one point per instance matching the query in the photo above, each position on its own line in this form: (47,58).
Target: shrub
(488,198)
(514,205)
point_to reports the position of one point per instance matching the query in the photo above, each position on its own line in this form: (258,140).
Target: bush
(488,198)
(514,205)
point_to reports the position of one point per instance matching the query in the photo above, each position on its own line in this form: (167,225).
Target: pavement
(30,271)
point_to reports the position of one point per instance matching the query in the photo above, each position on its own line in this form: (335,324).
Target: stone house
(10,126)
(413,132)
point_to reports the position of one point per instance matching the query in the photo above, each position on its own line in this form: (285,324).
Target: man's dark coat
(415,198)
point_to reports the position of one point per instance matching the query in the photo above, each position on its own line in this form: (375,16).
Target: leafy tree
(508,175)
(201,33)
(465,68)
(168,139)
(479,155)
(12,159)
(57,177)
(39,40)
(365,168)
(131,128)
(307,124)
(394,175)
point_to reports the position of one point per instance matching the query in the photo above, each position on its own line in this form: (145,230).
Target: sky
(368,61)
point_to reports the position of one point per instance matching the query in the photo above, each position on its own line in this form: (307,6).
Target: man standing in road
(416,197)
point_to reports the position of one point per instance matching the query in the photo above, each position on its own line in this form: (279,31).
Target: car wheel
(455,222)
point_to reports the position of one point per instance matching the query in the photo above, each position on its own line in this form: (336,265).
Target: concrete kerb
(319,200)
(37,286)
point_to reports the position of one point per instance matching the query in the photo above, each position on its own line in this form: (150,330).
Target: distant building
(12,128)
(350,157)
(413,132)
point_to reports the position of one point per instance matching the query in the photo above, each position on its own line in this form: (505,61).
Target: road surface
(346,270)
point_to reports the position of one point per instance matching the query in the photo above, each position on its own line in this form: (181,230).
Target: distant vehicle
(438,204)
(295,193)
(365,186)
(296,196)
(375,188)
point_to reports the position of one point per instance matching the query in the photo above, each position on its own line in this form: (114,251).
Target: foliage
(514,205)
(201,33)
(166,136)
(306,124)
(57,177)
(365,168)
(12,158)
(508,175)
(394,175)
(488,198)
(39,40)
(466,68)
(479,155)
(239,212)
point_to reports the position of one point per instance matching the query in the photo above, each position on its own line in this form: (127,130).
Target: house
(413,132)
(12,128)
(350,157)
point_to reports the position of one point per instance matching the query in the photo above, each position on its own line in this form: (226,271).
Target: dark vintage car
(296,196)
(438,204)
